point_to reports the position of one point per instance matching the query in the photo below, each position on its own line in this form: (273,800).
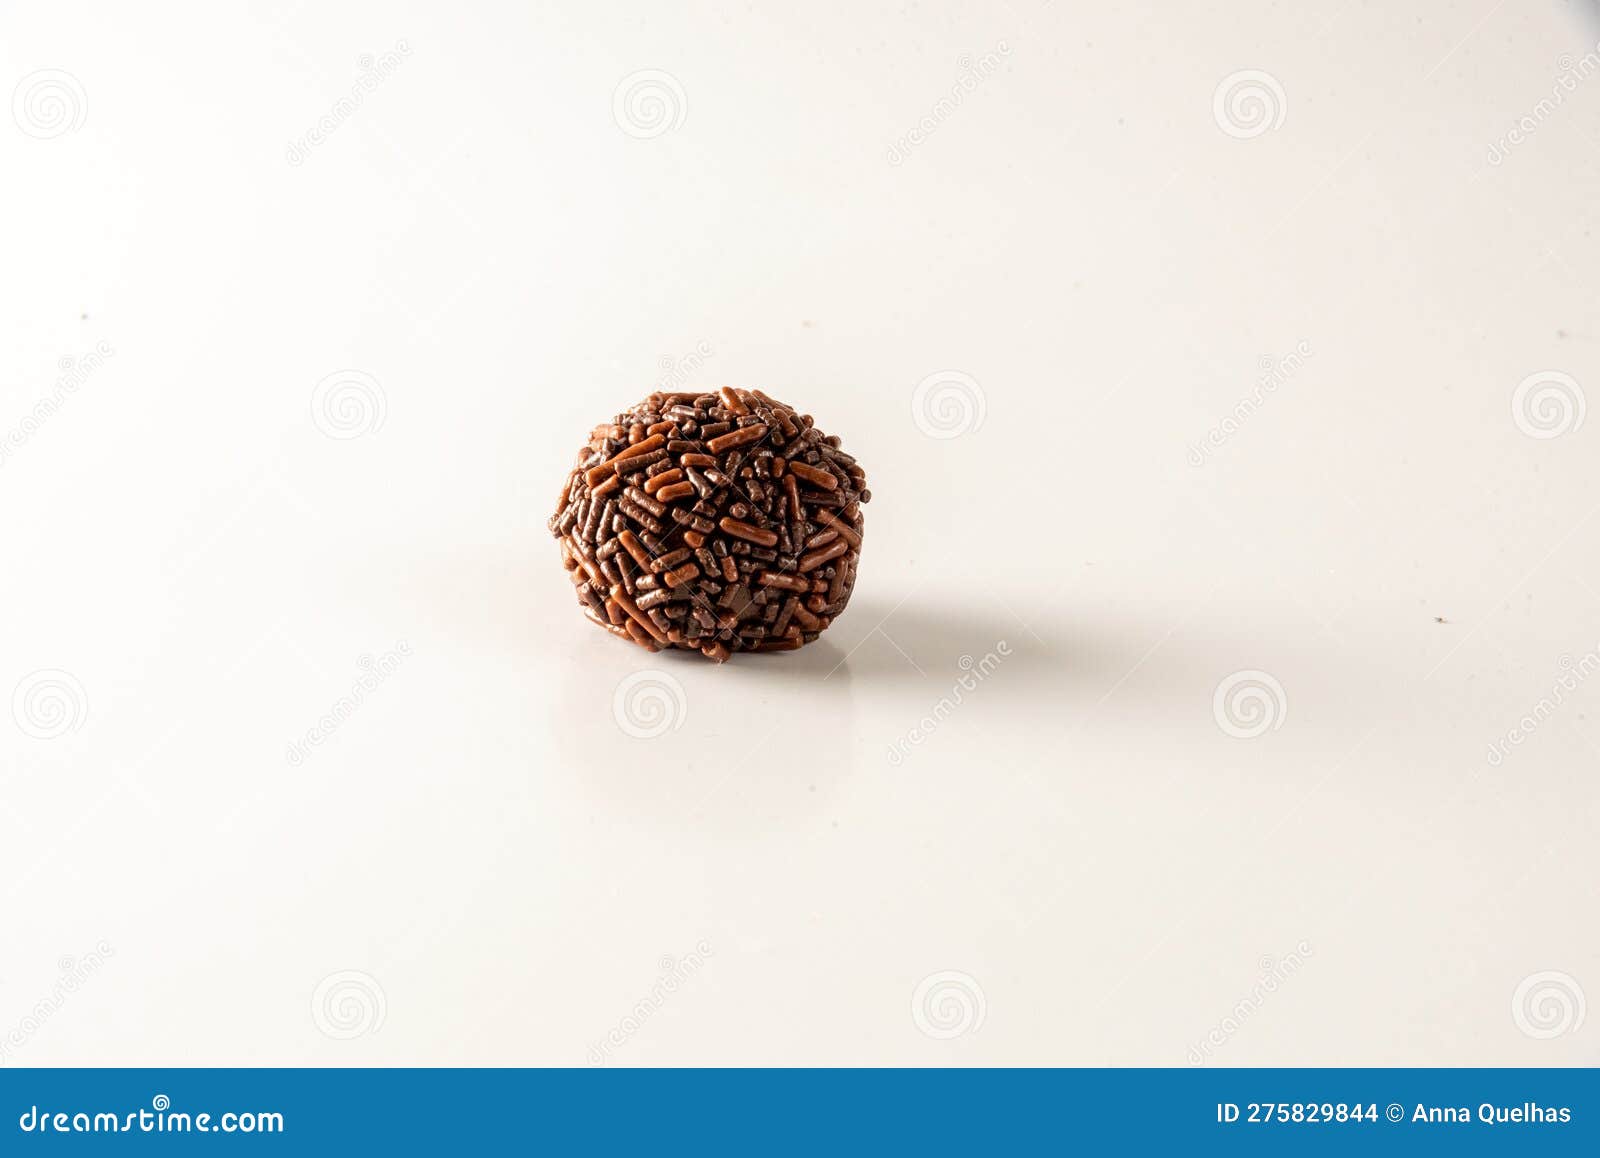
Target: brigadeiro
(713,522)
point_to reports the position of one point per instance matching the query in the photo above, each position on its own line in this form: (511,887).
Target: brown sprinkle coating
(600,470)
(712,521)
(787,582)
(846,532)
(666,478)
(817,558)
(745,531)
(736,438)
(814,476)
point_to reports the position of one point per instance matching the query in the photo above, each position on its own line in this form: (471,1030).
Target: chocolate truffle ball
(713,522)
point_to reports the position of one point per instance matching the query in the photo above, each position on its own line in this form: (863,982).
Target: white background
(479,864)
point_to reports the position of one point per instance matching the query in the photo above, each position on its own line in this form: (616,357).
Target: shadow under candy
(916,643)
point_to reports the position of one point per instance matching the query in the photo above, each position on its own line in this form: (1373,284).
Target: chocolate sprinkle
(713,522)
